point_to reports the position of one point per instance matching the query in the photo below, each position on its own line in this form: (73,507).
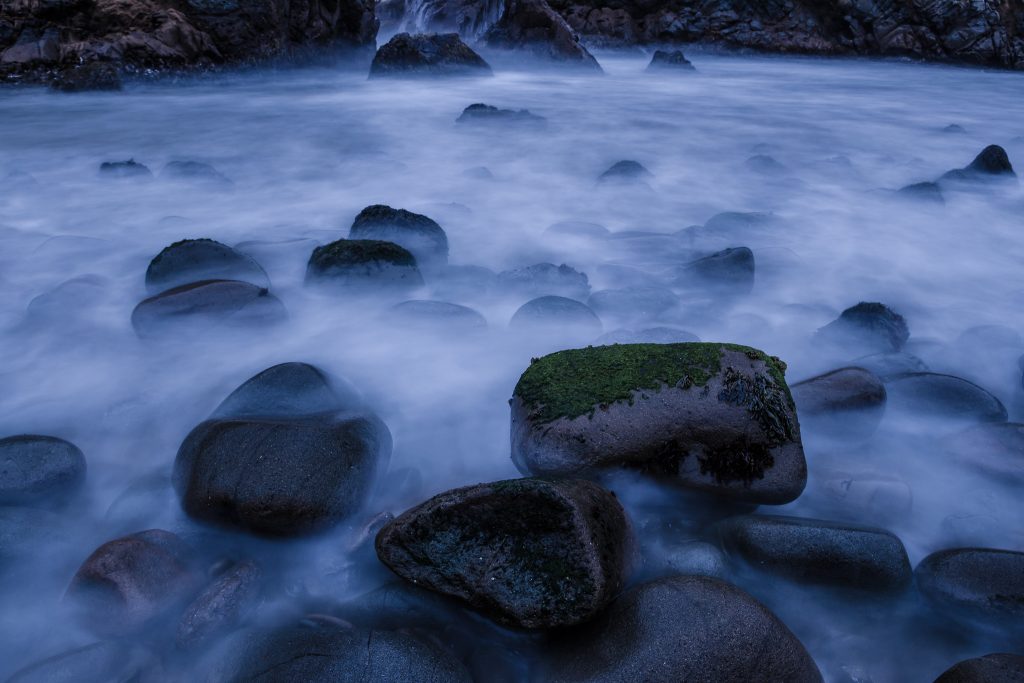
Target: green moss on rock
(343,253)
(577,381)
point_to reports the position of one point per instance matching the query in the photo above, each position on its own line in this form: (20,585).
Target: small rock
(556,313)
(625,172)
(730,270)
(665,60)
(999,667)
(869,326)
(39,470)
(848,403)
(94,76)
(423,237)
(529,553)
(204,306)
(545,278)
(976,582)
(423,54)
(125,169)
(439,315)
(954,128)
(484,113)
(193,260)
(364,264)
(220,606)
(888,365)
(765,165)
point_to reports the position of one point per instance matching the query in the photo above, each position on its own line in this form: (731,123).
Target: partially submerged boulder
(728,271)
(706,416)
(532,26)
(951,399)
(205,306)
(848,402)
(980,583)
(420,235)
(192,260)
(991,163)
(669,60)
(529,553)
(558,315)
(427,55)
(39,470)
(542,279)
(485,113)
(364,264)
(867,327)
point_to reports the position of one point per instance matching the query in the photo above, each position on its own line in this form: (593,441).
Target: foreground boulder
(532,26)
(435,55)
(421,236)
(867,327)
(999,667)
(848,403)
(364,264)
(974,582)
(665,60)
(682,628)
(712,417)
(39,470)
(128,583)
(249,466)
(529,553)
(205,306)
(817,551)
(193,260)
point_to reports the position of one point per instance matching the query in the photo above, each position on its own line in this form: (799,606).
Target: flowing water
(307,149)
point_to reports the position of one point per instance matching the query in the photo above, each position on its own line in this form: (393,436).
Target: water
(307,149)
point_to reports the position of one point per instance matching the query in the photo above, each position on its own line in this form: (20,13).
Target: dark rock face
(88,42)
(125,169)
(532,26)
(204,306)
(975,582)
(485,113)
(818,551)
(130,582)
(326,653)
(624,172)
(982,33)
(529,553)
(39,470)
(669,60)
(251,465)
(944,396)
(438,315)
(729,270)
(424,238)
(364,264)
(868,326)
(999,667)
(545,278)
(201,259)
(682,628)
(555,312)
(713,417)
(220,606)
(991,162)
(848,402)
(434,54)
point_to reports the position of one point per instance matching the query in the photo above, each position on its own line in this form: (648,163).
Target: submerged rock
(975,582)
(529,553)
(129,582)
(92,76)
(220,606)
(545,278)
(195,171)
(996,448)
(485,113)
(204,306)
(26,532)
(713,417)
(427,54)
(926,191)
(440,315)
(625,172)
(578,229)
(669,60)
(632,303)
(867,326)
(682,628)
(558,314)
(944,397)
(420,235)
(888,365)
(729,271)
(364,264)
(848,402)
(39,470)
(193,260)
(1000,667)
(125,169)
(818,551)
(531,26)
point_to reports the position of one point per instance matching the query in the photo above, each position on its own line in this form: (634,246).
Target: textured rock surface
(532,26)
(977,582)
(369,264)
(201,259)
(39,470)
(848,402)
(998,667)
(420,235)
(528,552)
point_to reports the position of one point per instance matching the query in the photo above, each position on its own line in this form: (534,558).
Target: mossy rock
(417,233)
(710,416)
(364,262)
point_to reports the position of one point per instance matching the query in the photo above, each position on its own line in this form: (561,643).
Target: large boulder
(427,55)
(532,26)
(420,235)
(848,402)
(204,307)
(193,260)
(39,470)
(817,551)
(249,466)
(364,264)
(1000,667)
(974,582)
(529,553)
(682,628)
(707,416)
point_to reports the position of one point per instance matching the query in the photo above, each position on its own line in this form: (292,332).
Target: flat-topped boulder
(419,234)
(364,264)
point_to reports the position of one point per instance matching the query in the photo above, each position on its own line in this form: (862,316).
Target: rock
(193,260)
(249,466)
(324,652)
(999,667)
(990,162)
(206,306)
(436,55)
(557,314)
(633,303)
(888,365)
(926,192)
(220,606)
(485,114)
(712,417)
(867,326)
(125,169)
(651,335)
(730,270)
(625,172)
(529,553)
(818,551)
(101,662)
(39,470)
(195,172)
(439,315)
(996,448)
(128,583)
(93,76)
(26,532)
(545,278)
(847,403)
(364,264)
(665,60)
(732,227)
(578,229)
(765,165)
(943,397)
(531,26)
(421,236)
(974,582)
(954,128)
(70,304)
(682,628)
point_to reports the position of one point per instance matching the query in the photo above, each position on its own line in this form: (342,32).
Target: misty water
(307,149)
